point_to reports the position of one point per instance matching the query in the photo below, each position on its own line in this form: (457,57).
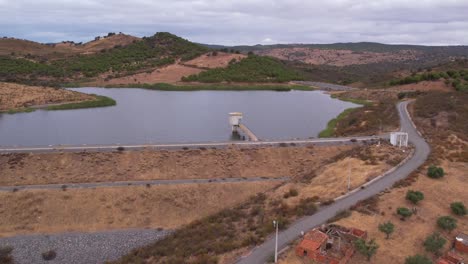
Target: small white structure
(399,139)
(235,120)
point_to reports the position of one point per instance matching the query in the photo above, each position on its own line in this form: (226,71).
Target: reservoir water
(148,116)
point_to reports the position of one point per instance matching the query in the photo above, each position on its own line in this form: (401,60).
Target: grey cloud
(243,21)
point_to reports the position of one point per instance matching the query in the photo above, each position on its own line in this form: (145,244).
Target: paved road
(261,253)
(92,185)
(318,141)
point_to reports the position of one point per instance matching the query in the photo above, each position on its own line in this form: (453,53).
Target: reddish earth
(209,61)
(337,57)
(168,74)
(173,73)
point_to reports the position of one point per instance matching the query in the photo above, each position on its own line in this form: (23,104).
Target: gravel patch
(80,248)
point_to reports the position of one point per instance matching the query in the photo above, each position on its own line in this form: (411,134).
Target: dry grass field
(409,235)
(17,96)
(21,169)
(87,210)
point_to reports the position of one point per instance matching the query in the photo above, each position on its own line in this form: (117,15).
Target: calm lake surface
(146,116)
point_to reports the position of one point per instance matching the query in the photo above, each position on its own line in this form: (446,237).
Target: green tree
(458,208)
(434,243)
(414,196)
(447,223)
(435,172)
(418,259)
(405,212)
(387,228)
(367,249)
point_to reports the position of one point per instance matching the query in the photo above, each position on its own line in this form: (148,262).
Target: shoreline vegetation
(100,101)
(213,87)
(329,131)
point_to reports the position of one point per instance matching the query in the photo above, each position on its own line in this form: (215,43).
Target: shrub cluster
(458,208)
(435,172)
(251,69)
(414,196)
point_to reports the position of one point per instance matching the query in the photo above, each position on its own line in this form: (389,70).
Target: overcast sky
(234,22)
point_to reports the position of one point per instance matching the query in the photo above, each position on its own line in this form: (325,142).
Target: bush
(434,243)
(405,212)
(306,207)
(5,255)
(367,249)
(414,196)
(458,208)
(387,228)
(291,193)
(435,172)
(418,259)
(339,215)
(447,223)
(49,255)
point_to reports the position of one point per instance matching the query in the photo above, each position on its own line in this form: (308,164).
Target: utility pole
(275,224)
(349,176)
(380,130)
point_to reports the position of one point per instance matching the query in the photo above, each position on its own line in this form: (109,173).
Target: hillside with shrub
(251,69)
(458,79)
(161,49)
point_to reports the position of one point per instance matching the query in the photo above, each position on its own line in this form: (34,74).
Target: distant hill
(118,55)
(127,57)
(364,64)
(20,47)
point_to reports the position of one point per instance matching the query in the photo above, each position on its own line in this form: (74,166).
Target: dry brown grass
(168,207)
(409,235)
(15,96)
(20,169)
(407,240)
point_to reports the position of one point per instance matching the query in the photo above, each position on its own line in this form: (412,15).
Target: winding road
(422,150)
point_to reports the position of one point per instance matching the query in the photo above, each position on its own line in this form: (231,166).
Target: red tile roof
(313,240)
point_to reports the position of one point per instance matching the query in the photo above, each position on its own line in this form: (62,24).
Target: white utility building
(235,120)
(399,139)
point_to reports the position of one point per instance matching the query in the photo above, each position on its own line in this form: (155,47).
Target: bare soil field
(337,57)
(21,169)
(168,74)
(168,207)
(16,96)
(173,73)
(208,60)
